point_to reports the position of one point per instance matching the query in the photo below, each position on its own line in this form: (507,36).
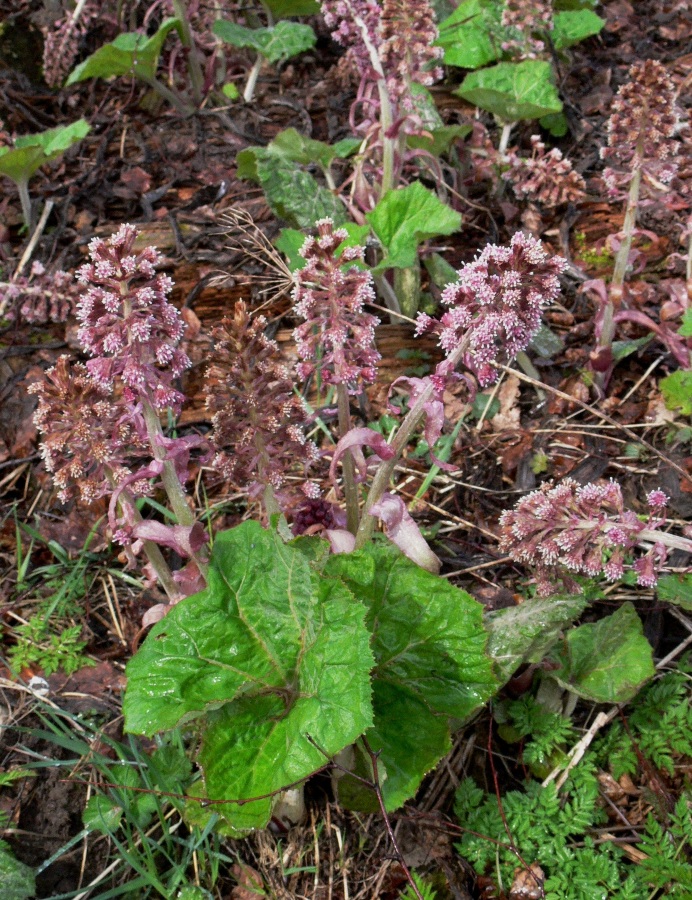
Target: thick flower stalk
(545,178)
(259,422)
(497,304)
(586,530)
(337,339)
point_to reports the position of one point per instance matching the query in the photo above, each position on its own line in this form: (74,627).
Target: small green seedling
(32,151)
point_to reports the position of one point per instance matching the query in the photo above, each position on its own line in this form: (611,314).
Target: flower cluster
(128,325)
(354,24)
(40,297)
(585,529)
(259,422)
(400,32)
(523,19)
(61,43)
(337,337)
(545,178)
(497,304)
(640,128)
(88,438)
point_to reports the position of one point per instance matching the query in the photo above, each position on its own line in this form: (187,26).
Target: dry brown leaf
(528,883)
(507,417)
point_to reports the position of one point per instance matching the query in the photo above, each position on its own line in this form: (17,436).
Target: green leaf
(289,242)
(131,53)
(440,271)
(346,147)
(405,218)
(513,91)
(439,140)
(275,657)
(293,194)
(685,329)
(572,26)
(281,9)
(467,35)
(230,91)
(430,660)
(278,43)
(304,150)
(32,151)
(555,123)
(606,661)
(102,814)
(623,349)
(525,633)
(546,343)
(17,880)
(676,589)
(677,391)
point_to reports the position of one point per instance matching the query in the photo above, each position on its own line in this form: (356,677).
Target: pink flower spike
(403,531)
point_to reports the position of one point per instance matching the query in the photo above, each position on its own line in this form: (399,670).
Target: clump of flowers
(88,439)
(259,422)
(127,324)
(524,19)
(586,529)
(40,297)
(337,338)
(400,35)
(61,42)
(547,178)
(641,127)
(497,304)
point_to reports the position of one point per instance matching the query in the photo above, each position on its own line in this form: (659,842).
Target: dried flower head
(87,437)
(259,422)
(642,124)
(524,19)
(546,178)
(128,325)
(40,297)
(586,530)
(337,337)
(497,304)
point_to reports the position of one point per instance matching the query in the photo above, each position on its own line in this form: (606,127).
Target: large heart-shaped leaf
(280,42)
(513,91)
(131,53)
(430,662)
(405,218)
(606,661)
(467,34)
(276,658)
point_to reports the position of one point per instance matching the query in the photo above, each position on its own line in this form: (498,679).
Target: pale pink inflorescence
(546,178)
(338,336)
(585,529)
(400,32)
(641,127)
(523,19)
(41,296)
(127,323)
(497,304)
(88,438)
(259,422)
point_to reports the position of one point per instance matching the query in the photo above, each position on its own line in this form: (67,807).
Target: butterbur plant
(587,530)
(640,150)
